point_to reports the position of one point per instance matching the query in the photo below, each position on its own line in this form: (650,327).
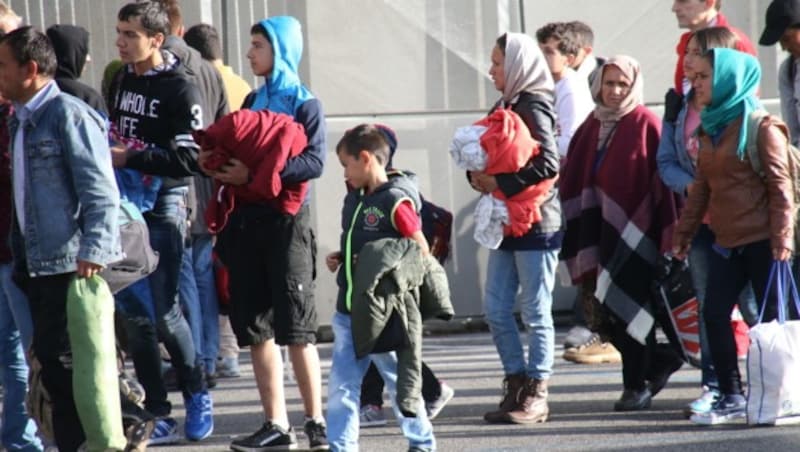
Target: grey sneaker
(433,408)
(228,367)
(371,416)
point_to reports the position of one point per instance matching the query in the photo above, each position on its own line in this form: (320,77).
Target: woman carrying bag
(677,165)
(751,215)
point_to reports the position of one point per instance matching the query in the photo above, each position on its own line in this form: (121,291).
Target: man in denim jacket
(65,205)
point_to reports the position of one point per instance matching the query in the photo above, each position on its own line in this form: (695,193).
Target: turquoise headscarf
(283,92)
(733,93)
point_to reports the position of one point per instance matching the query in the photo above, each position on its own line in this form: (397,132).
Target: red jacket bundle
(509,146)
(263,141)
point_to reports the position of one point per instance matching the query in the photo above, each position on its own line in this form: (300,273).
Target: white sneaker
(436,406)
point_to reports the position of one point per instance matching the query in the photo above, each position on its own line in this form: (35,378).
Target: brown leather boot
(513,386)
(532,406)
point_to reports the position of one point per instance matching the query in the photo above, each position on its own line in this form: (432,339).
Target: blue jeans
(699,262)
(198,296)
(18,430)
(167,225)
(344,393)
(532,271)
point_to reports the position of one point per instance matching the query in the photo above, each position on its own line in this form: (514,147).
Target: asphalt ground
(581,405)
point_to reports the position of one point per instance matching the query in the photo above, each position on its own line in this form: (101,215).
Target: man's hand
(88,269)
(233,173)
(333,260)
(119,156)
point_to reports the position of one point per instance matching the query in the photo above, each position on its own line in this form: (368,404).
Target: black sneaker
(269,437)
(211,380)
(317,437)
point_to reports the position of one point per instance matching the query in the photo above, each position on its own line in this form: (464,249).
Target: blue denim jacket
(674,164)
(71,197)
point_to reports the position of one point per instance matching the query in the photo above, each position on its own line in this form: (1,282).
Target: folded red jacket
(509,146)
(263,141)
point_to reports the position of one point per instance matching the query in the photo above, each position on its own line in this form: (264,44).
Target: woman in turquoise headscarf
(751,212)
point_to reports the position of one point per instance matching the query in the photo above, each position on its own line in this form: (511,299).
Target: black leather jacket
(538,113)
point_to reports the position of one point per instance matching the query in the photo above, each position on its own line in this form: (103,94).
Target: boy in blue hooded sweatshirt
(270,255)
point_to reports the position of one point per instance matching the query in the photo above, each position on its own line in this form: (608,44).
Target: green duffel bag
(90,324)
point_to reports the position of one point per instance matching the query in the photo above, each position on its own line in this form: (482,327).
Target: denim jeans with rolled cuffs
(534,273)
(18,430)
(699,263)
(198,297)
(344,393)
(167,222)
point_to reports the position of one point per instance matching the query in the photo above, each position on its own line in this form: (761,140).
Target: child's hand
(333,260)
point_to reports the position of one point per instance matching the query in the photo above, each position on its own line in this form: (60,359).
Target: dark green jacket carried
(391,275)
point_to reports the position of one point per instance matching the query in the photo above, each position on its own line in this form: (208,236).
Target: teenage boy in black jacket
(196,287)
(156,104)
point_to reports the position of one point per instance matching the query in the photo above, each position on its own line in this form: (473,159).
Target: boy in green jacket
(378,207)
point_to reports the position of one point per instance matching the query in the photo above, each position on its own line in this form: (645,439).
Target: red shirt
(743,44)
(406,220)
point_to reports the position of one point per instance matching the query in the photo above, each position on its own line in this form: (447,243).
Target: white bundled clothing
(491,214)
(466,150)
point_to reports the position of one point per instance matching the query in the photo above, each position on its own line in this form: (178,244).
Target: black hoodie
(71,44)
(161,108)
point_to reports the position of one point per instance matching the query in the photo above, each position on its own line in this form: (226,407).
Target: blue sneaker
(728,409)
(164,432)
(199,416)
(704,403)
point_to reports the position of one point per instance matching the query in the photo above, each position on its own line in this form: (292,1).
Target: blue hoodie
(283,92)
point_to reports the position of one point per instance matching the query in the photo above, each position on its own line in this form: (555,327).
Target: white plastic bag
(773,362)
(773,372)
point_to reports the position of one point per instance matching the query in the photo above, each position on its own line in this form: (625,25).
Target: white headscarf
(525,68)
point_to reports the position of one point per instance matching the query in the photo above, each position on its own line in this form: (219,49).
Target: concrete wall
(419,66)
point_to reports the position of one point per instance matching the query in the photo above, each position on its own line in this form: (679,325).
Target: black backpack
(437,227)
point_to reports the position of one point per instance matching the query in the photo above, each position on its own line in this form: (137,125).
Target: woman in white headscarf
(525,264)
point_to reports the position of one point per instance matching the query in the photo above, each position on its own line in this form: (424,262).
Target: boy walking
(272,273)
(156,104)
(363,152)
